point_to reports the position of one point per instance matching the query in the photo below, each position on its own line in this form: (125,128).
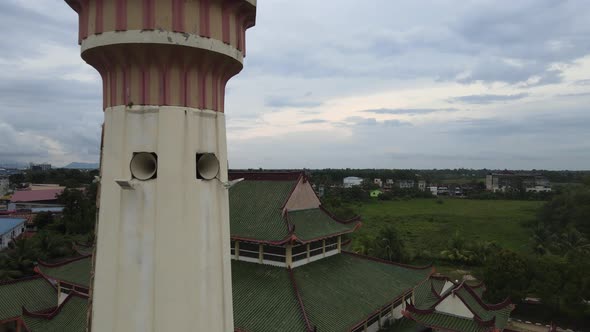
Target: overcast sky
(340,83)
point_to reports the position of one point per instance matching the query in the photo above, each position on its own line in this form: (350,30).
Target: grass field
(427,225)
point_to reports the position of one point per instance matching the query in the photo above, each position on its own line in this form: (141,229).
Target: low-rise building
(442,190)
(433,190)
(351,181)
(422,185)
(378,182)
(506,181)
(405,184)
(27,199)
(10,229)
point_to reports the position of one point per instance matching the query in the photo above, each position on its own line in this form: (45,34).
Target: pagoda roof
(315,224)
(264,299)
(258,211)
(31,292)
(333,294)
(486,317)
(70,315)
(75,271)
(342,291)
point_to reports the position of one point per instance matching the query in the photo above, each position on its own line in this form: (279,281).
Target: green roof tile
(447,322)
(264,299)
(315,223)
(70,317)
(75,271)
(471,297)
(343,290)
(35,293)
(424,297)
(501,312)
(256,209)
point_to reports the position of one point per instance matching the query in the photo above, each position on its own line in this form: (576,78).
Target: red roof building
(30,196)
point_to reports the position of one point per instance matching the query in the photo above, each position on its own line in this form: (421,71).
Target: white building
(351,181)
(422,185)
(433,190)
(378,182)
(10,228)
(405,184)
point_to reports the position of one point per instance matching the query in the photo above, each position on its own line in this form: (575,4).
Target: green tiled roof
(438,284)
(71,317)
(264,299)
(315,223)
(426,300)
(34,293)
(501,314)
(256,209)
(345,289)
(479,289)
(448,322)
(76,271)
(424,297)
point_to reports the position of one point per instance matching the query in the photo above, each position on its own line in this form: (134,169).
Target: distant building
(388,184)
(351,181)
(433,190)
(10,229)
(376,193)
(516,181)
(422,185)
(40,167)
(405,184)
(4,186)
(26,199)
(442,191)
(378,182)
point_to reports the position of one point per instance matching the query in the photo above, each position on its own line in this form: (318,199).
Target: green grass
(427,225)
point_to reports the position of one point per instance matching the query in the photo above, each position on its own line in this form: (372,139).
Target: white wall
(12,233)
(168,237)
(303,197)
(453,305)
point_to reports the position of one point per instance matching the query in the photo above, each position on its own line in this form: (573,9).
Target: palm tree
(543,239)
(572,243)
(458,251)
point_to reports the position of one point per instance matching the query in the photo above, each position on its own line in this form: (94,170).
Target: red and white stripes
(162,81)
(199,17)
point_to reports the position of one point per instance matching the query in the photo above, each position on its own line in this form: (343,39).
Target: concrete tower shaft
(162,258)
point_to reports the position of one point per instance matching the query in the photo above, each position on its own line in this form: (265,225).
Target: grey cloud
(574,95)
(542,125)
(486,98)
(313,121)
(582,82)
(408,111)
(371,122)
(281,102)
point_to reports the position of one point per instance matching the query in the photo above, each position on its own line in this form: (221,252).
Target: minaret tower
(162,260)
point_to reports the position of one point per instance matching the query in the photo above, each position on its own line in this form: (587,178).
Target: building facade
(10,229)
(352,181)
(506,181)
